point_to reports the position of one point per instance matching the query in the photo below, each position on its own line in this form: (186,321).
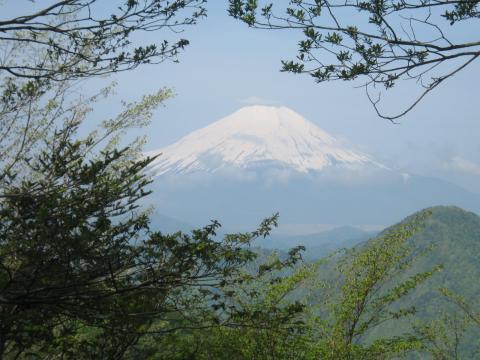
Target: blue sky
(229,65)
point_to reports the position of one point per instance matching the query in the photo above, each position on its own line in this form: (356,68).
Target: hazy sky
(228,66)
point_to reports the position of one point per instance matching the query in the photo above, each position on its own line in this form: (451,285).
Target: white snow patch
(257,137)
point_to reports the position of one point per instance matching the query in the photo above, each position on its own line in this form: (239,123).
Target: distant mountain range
(262,159)
(167,224)
(321,244)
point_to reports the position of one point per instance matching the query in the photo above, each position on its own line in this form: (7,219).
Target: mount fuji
(263,159)
(255,138)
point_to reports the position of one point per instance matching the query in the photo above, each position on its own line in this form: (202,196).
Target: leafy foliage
(442,338)
(76,254)
(381,42)
(449,239)
(81,38)
(261,318)
(322,310)
(45,52)
(366,293)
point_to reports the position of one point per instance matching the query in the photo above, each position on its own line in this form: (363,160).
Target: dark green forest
(86,274)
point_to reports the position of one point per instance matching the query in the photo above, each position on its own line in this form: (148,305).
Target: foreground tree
(261,317)
(444,338)
(77,254)
(73,39)
(381,42)
(363,296)
(44,52)
(468,309)
(447,337)
(82,275)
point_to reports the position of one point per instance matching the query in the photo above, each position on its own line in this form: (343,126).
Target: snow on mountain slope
(255,137)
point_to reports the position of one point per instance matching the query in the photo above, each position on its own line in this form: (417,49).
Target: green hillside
(307,311)
(455,237)
(451,238)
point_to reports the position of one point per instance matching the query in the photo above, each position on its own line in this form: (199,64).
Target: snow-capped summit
(256,137)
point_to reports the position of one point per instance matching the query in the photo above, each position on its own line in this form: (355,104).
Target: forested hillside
(451,239)
(404,282)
